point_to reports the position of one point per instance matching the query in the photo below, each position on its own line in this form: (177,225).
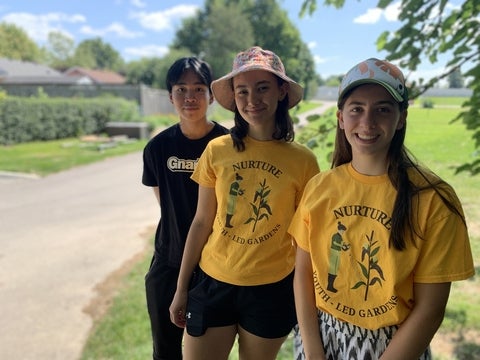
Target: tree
(209,35)
(96,54)
(59,50)
(227,27)
(15,44)
(152,71)
(453,32)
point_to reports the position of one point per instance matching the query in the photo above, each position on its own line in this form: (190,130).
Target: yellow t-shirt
(344,222)
(257,193)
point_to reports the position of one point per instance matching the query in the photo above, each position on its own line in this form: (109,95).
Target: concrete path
(60,237)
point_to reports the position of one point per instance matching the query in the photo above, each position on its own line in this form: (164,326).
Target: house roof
(97,76)
(15,68)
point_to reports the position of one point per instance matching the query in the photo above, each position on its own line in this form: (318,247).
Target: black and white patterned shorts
(344,341)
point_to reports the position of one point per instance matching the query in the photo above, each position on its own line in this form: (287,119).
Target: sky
(337,38)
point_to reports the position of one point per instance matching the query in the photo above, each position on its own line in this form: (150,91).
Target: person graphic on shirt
(335,252)
(235,191)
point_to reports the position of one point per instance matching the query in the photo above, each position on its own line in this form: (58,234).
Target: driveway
(62,236)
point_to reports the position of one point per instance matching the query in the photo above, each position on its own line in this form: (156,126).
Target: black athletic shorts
(267,310)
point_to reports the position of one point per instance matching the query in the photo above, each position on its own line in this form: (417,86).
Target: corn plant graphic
(260,208)
(369,252)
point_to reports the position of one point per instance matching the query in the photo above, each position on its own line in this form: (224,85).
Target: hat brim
(354,84)
(223,92)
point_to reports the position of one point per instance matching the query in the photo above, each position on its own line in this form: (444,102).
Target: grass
(43,158)
(124,332)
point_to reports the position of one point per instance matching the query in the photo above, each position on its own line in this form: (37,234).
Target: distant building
(96,76)
(23,72)
(21,78)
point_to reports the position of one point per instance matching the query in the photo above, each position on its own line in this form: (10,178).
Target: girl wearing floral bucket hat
(238,257)
(380,237)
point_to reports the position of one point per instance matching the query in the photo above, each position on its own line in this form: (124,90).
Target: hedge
(34,119)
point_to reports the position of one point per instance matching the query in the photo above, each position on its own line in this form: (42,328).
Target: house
(24,72)
(96,76)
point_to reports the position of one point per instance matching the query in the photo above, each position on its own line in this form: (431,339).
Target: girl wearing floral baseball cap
(378,288)
(238,249)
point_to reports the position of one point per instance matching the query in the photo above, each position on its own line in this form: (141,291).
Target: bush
(31,119)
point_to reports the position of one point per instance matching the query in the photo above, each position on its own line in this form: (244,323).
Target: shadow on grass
(465,342)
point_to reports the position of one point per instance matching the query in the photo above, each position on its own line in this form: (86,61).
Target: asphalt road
(60,236)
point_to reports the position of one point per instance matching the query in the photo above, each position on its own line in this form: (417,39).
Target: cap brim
(354,84)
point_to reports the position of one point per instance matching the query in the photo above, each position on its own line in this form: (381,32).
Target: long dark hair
(400,162)
(283,124)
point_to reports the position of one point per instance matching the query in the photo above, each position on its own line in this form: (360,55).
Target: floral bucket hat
(254,58)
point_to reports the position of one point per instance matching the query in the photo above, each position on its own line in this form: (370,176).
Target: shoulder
(220,141)
(337,175)
(165,134)
(300,149)
(219,128)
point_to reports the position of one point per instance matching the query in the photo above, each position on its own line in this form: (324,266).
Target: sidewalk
(60,237)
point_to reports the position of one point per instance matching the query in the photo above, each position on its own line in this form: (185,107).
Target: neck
(370,166)
(196,130)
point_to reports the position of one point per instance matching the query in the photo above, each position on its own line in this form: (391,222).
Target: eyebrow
(184,83)
(261,82)
(381,102)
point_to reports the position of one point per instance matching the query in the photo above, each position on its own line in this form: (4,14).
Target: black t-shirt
(169,159)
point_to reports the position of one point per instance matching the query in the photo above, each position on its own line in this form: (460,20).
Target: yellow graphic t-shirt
(344,222)
(257,193)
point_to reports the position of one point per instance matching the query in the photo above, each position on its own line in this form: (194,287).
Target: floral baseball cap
(254,58)
(377,72)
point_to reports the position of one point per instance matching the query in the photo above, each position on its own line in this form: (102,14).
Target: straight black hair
(199,67)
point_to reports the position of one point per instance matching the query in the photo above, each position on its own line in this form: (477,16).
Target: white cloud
(138,3)
(38,26)
(319,60)
(392,11)
(164,20)
(146,51)
(373,15)
(312,45)
(114,28)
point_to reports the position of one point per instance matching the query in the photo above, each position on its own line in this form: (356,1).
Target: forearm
(416,332)
(306,308)
(196,239)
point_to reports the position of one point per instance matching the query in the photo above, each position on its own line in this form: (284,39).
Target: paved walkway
(61,236)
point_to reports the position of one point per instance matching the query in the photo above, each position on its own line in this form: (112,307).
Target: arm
(305,306)
(416,332)
(200,229)
(156,191)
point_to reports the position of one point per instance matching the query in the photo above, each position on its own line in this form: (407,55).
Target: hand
(178,308)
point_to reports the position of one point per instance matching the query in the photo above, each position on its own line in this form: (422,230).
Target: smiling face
(370,117)
(257,94)
(190,97)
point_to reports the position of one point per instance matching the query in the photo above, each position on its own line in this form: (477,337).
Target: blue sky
(337,38)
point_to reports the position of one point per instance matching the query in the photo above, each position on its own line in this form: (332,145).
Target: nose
(190,95)
(369,119)
(253,98)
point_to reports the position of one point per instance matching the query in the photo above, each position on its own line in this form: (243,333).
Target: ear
(403,120)
(341,125)
(283,91)
(210,101)
(170,97)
